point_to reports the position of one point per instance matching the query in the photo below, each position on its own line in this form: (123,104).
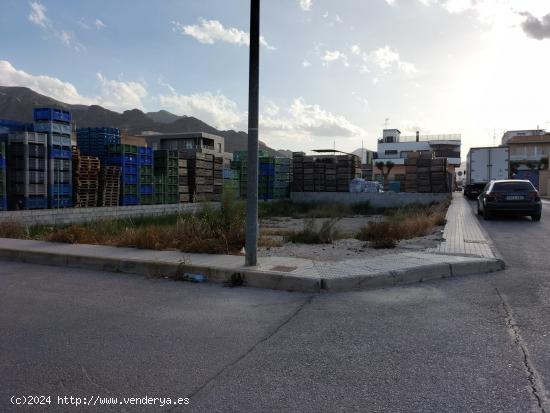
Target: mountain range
(17,103)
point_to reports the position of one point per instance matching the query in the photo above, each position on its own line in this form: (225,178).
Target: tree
(385,168)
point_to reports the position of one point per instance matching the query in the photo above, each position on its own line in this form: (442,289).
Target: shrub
(286,208)
(403,223)
(313,234)
(11,228)
(73,234)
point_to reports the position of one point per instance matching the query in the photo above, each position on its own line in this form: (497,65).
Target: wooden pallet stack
(218,178)
(411,175)
(201,176)
(348,167)
(309,174)
(298,172)
(423,173)
(85,179)
(184,195)
(109,190)
(324,173)
(438,172)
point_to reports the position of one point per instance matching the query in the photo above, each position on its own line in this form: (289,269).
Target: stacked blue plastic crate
(94,141)
(146,178)
(127,157)
(56,123)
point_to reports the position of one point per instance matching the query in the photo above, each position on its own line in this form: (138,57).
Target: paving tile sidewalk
(466,250)
(463,234)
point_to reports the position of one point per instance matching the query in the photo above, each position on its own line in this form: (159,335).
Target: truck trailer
(484,165)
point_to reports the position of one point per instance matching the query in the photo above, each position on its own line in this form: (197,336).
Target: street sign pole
(251,244)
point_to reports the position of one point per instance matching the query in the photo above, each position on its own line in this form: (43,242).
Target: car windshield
(512,186)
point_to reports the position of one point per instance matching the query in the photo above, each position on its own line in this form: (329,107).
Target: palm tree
(385,168)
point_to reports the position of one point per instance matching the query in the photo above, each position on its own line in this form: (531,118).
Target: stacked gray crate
(28,172)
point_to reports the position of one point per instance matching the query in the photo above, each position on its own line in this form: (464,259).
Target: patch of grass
(312,233)
(207,231)
(286,208)
(403,223)
(12,229)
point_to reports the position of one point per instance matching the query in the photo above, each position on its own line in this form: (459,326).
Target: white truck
(484,165)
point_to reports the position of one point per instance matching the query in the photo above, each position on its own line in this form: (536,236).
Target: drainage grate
(282,268)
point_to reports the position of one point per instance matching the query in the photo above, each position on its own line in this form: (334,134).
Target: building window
(517,150)
(405,154)
(390,152)
(219,148)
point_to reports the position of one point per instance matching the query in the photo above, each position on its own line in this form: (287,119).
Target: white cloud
(114,94)
(387,59)
(99,24)
(333,56)
(46,85)
(305,4)
(306,63)
(305,123)
(38,16)
(212,31)
(215,109)
(118,95)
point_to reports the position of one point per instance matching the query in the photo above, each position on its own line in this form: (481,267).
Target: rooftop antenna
(386,122)
(494,137)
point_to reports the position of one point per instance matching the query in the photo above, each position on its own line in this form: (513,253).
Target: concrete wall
(74,215)
(377,200)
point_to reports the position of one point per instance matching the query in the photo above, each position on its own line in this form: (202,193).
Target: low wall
(377,200)
(74,215)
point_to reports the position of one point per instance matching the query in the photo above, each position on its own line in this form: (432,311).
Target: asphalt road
(474,344)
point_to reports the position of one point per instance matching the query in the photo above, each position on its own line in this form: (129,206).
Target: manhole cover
(282,268)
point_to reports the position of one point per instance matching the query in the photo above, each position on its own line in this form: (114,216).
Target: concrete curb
(256,278)
(411,275)
(490,241)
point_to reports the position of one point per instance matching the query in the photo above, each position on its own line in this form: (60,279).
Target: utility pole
(251,244)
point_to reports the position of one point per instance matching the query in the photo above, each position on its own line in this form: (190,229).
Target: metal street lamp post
(251,244)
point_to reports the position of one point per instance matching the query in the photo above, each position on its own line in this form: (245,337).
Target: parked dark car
(512,196)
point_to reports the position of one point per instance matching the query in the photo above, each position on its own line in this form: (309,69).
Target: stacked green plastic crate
(166,178)
(146,177)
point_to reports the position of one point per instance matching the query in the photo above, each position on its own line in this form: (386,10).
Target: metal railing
(430,138)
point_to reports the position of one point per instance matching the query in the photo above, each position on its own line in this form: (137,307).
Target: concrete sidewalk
(466,250)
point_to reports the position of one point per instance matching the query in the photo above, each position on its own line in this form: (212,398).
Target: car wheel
(479,209)
(536,217)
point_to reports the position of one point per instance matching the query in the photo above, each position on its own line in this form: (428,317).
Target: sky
(331,72)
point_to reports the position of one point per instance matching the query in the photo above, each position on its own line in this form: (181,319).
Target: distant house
(396,148)
(187,141)
(529,153)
